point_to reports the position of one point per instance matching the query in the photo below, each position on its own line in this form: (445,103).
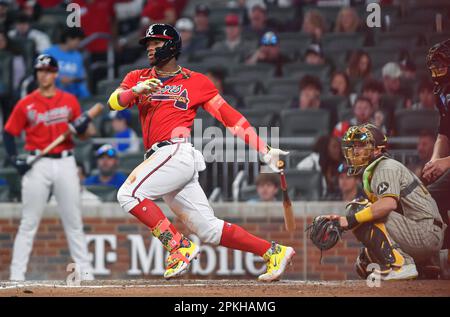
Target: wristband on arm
(121,100)
(362,216)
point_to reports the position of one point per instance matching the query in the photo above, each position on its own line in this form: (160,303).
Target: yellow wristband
(364,215)
(114,101)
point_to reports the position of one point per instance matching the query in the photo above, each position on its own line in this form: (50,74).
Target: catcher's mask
(172,45)
(438,62)
(359,144)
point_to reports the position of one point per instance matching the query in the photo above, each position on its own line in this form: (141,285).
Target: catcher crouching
(399,225)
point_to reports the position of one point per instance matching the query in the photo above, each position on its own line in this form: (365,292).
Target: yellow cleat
(277,257)
(179,259)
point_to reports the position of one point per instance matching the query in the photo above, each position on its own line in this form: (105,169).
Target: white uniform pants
(172,173)
(61,176)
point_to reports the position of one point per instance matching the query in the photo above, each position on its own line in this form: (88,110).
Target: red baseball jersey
(44,119)
(171,111)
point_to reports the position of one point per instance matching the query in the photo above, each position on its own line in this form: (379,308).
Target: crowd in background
(371,90)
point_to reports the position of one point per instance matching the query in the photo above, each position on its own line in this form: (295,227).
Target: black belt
(158,145)
(437,223)
(55,155)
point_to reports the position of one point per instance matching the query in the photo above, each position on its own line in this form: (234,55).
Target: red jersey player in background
(168,97)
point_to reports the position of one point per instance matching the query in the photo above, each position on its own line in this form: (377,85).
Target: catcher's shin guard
(362,262)
(380,249)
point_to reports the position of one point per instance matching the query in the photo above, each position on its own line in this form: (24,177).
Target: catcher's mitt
(324,232)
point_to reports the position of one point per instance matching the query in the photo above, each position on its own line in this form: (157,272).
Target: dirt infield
(228,288)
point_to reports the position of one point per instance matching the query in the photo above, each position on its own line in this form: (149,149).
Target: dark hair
(347,81)
(374,85)
(425,84)
(308,81)
(268,178)
(364,99)
(353,64)
(217,73)
(23,18)
(327,164)
(71,33)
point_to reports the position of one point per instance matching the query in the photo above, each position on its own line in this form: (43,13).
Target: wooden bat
(289,219)
(92,113)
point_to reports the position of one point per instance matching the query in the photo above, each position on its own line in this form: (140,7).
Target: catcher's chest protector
(367,177)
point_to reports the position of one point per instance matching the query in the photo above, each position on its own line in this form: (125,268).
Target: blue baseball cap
(269,39)
(121,115)
(106,149)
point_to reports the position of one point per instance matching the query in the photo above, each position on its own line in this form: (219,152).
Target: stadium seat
(304,185)
(13,179)
(254,72)
(4,193)
(268,102)
(84,154)
(437,37)
(106,193)
(106,86)
(382,55)
(299,70)
(260,118)
(312,122)
(129,161)
(282,86)
(412,122)
(406,40)
(333,104)
(333,41)
(241,86)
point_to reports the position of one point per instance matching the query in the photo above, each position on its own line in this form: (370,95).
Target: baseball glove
(324,232)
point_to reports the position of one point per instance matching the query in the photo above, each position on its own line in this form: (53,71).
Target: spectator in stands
(107,164)
(314,24)
(233,42)
(269,52)
(23,30)
(340,84)
(425,146)
(426,96)
(314,55)
(373,90)
(267,187)
(190,43)
(349,186)
(258,21)
(325,158)
(347,21)
(121,125)
(391,73)
(363,112)
(158,11)
(407,66)
(203,29)
(217,76)
(309,93)
(6,19)
(359,66)
(71,75)
(18,64)
(98,17)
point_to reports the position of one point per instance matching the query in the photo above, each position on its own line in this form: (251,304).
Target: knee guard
(380,249)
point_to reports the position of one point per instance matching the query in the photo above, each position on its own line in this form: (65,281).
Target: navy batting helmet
(438,62)
(172,45)
(45,61)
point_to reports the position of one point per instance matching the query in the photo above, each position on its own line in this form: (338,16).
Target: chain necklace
(163,73)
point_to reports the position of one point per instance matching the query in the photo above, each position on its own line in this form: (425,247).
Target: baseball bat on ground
(92,113)
(289,219)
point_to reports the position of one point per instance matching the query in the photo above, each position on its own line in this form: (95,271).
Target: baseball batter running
(400,225)
(44,115)
(168,97)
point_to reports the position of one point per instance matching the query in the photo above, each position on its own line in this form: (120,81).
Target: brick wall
(50,255)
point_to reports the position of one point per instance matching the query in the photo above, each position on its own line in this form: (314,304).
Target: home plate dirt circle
(228,288)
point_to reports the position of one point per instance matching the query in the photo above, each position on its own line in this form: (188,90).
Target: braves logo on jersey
(53,116)
(176,93)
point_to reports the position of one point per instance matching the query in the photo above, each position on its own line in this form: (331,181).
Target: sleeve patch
(382,188)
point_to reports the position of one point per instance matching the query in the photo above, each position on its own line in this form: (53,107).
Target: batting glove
(271,158)
(80,125)
(20,164)
(149,86)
